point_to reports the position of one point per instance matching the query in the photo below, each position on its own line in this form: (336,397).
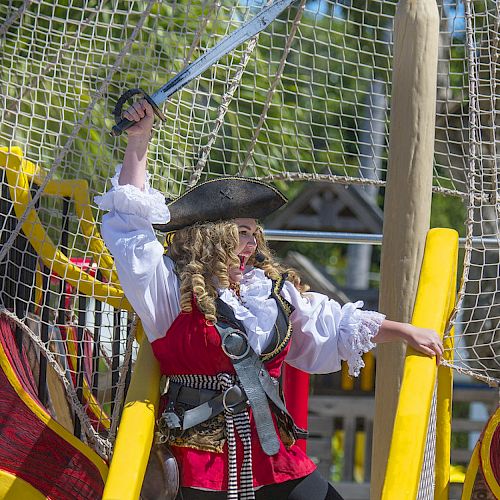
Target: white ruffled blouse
(324,332)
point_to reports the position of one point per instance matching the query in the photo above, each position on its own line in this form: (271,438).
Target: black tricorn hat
(224,198)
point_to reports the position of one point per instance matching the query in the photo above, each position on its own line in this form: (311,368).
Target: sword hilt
(122,123)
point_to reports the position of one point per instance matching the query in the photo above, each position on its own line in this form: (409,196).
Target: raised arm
(146,276)
(135,161)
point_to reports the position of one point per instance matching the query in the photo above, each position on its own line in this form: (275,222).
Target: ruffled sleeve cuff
(147,203)
(356,332)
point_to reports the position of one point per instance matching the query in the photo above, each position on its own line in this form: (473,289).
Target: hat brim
(223,198)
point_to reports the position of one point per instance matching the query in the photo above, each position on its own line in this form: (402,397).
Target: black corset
(282,330)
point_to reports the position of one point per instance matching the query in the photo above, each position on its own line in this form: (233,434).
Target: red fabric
(31,450)
(191,346)
(296,391)
(17,359)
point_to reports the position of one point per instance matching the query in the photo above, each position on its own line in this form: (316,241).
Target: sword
(255,25)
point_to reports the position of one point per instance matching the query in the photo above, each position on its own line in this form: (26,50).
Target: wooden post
(407,201)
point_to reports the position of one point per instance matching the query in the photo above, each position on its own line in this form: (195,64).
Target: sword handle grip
(120,127)
(124,124)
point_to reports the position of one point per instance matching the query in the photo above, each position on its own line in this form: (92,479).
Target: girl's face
(246,246)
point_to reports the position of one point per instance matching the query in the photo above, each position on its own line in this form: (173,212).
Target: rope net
(306,100)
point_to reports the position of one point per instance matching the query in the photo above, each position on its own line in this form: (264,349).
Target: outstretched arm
(421,339)
(135,161)
(324,333)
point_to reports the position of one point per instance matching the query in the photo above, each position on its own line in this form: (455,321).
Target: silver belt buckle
(169,427)
(235,333)
(227,405)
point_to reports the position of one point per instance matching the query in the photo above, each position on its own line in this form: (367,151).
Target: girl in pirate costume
(222,316)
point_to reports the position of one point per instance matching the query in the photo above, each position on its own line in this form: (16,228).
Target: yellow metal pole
(435,291)
(368,372)
(443,410)
(346,381)
(136,431)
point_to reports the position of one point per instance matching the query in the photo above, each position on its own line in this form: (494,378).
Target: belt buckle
(229,407)
(169,427)
(235,333)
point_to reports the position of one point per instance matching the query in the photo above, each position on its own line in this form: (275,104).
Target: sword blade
(258,23)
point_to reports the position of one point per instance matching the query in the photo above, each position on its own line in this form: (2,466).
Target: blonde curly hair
(203,254)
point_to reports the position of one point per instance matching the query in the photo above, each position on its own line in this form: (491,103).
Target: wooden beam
(407,201)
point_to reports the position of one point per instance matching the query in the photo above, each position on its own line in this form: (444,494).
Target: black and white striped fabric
(240,423)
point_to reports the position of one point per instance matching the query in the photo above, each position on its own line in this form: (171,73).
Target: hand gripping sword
(258,23)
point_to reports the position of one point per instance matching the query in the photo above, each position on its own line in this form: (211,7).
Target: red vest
(191,346)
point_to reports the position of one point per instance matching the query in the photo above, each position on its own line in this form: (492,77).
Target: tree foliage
(57,55)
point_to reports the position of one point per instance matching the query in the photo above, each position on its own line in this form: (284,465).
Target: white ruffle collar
(255,308)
